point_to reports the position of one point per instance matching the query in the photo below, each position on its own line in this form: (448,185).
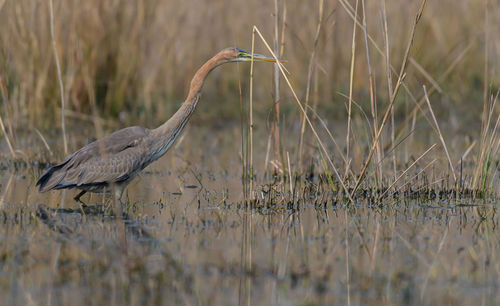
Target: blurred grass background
(133,60)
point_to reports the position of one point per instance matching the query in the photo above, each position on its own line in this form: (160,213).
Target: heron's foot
(78,196)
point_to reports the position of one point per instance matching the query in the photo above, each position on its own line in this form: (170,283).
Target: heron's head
(234,54)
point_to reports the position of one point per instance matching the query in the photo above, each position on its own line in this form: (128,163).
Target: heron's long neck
(172,128)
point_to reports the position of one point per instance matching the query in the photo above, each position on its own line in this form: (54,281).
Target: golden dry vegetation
(362,204)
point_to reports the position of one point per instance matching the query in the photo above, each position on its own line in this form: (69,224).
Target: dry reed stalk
(59,75)
(467,151)
(488,138)
(412,127)
(389,80)
(493,181)
(244,143)
(480,172)
(44,141)
(318,68)
(86,117)
(11,149)
(485,123)
(274,139)
(428,186)
(4,131)
(283,27)
(337,147)
(268,149)
(493,133)
(407,169)
(6,191)
(413,114)
(325,127)
(351,83)
(440,135)
(310,69)
(486,52)
(250,136)
(350,11)
(373,103)
(93,104)
(429,78)
(360,108)
(393,97)
(420,172)
(318,139)
(276,124)
(289,172)
(393,149)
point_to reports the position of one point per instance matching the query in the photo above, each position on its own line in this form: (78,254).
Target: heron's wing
(108,169)
(109,145)
(105,160)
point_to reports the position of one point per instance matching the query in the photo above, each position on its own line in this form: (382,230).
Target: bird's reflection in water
(56,220)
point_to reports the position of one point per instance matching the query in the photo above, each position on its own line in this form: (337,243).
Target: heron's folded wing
(83,165)
(106,169)
(109,145)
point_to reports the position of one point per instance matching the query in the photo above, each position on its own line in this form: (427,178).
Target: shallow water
(201,245)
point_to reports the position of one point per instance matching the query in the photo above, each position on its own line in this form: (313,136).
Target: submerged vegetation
(364,170)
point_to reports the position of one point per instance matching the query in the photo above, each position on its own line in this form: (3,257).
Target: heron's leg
(118,210)
(78,196)
(118,192)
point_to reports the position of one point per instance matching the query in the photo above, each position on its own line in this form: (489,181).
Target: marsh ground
(203,245)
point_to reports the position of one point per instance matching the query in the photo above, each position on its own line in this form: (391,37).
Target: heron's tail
(50,179)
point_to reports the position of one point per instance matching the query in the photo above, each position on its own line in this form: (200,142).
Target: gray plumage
(116,159)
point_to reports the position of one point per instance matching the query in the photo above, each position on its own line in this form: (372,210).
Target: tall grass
(141,55)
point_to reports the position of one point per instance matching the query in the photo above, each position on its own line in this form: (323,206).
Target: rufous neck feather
(179,119)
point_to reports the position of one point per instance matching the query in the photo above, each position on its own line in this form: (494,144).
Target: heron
(111,163)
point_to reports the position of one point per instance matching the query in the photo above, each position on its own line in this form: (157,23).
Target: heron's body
(115,160)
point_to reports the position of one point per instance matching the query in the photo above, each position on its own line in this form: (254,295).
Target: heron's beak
(246,56)
(263,58)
